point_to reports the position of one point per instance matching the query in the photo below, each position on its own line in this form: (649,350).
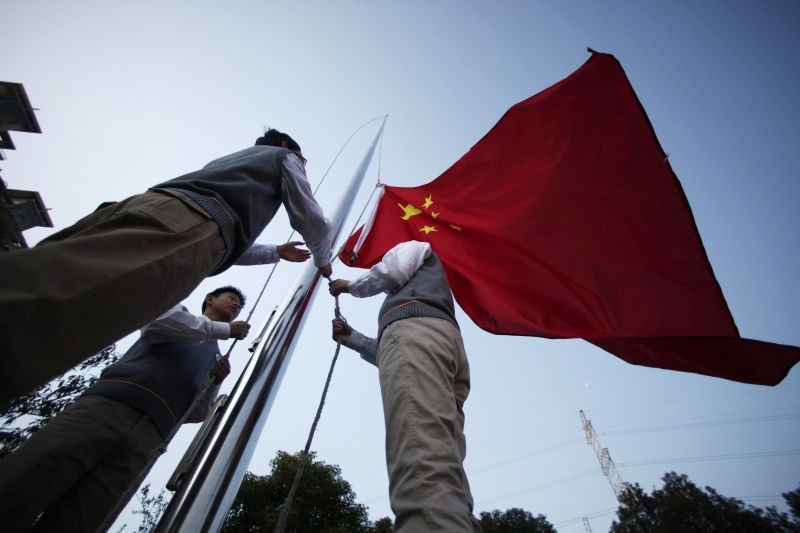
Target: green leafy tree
(682,506)
(793,501)
(24,416)
(324,503)
(514,520)
(384,525)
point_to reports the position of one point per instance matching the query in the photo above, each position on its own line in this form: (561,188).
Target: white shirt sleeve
(259,254)
(305,214)
(178,324)
(366,346)
(397,267)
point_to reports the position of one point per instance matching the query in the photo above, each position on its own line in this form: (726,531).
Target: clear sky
(130,95)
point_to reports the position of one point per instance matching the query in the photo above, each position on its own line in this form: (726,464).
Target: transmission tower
(606,463)
(587,527)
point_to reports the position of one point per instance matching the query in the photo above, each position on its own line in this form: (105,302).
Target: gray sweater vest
(427,294)
(160,379)
(241,192)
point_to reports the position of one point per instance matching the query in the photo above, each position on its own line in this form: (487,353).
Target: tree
(23,416)
(384,525)
(682,506)
(150,507)
(514,520)
(324,503)
(793,501)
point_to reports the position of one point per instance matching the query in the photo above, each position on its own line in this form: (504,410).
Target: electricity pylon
(606,463)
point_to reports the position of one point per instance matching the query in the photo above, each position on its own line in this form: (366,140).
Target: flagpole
(208,489)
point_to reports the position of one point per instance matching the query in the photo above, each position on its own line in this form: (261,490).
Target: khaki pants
(76,467)
(90,284)
(424,377)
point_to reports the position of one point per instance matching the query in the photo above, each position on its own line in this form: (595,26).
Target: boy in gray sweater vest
(424,378)
(77,466)
(144,254)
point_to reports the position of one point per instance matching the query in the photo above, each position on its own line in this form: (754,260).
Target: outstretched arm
(264,254)
(178,324)
(397,267)
(305,214)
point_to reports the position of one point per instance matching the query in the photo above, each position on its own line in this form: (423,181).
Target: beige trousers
(424,377)
(90,284)
(76,467)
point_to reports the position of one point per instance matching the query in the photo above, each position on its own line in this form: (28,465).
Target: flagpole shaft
(209,488)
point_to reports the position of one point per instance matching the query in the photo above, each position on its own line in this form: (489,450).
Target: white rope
(280,527)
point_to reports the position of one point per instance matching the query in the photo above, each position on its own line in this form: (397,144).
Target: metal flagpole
(209,487)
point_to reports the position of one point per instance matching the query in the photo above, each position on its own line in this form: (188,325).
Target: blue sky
(131,94)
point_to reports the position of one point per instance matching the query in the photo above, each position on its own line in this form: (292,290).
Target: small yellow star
(409,211)
(457,228)
(428,202)
(434,214)
(427,229)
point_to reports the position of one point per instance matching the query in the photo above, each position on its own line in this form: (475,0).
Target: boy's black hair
(217,292)
(273,137)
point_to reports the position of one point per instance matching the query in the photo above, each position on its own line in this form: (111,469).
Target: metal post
(209,488)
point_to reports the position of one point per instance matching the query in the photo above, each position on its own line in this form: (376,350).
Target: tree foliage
(514,520)
(23,416)
(324,503)
(150,508)
(384,525)
(682,506)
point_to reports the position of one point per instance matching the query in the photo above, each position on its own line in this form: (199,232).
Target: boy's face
(223,308)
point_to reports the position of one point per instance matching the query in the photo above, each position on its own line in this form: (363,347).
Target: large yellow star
(409,211)
(427,229)
(428,202)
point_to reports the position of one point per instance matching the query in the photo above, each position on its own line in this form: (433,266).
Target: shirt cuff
(259,254)
(364,345)
(220,330)
(355,289)
(323,258)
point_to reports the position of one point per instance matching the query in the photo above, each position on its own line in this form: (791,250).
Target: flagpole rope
(280,526)
(378,185)
(353,229)
(325,174)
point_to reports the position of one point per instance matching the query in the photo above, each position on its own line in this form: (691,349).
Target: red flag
(566,220)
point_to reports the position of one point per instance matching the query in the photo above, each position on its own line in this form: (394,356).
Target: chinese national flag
(566,221)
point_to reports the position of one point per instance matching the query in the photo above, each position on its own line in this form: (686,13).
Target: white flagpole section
(209,487)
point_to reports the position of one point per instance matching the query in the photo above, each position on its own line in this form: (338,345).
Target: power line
(761,498)
(689,399)
(539,487)
(721,457)
(691,425)
(596,514)
(498,464)
(587,473)
(647,429)
(524,456)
